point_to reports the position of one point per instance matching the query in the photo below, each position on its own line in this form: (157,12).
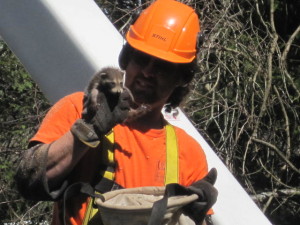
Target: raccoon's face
(112,82)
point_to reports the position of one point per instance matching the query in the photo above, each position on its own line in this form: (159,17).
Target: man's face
(151,80)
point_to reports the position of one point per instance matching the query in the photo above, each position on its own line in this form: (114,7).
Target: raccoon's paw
(133,114)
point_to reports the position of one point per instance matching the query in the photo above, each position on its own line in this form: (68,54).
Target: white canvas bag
(134,206)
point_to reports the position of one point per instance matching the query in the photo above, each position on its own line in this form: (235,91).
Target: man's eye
(164,67)
(141,59)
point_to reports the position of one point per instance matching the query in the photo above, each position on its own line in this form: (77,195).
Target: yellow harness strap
(108,158)
(107,152)
(172,159)
(171,174)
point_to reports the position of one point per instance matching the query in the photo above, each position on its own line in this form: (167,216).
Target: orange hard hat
(167,29)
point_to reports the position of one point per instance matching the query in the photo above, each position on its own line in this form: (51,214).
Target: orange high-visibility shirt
(140,156)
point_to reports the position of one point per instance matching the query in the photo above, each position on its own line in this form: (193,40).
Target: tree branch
(273,147)
(278,193)
(287,124)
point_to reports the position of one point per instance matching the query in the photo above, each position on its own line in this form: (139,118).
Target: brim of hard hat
(164,55)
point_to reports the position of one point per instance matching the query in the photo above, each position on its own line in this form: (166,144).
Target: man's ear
(182,83)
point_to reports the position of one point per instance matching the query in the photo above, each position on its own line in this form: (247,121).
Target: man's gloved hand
(98,119)
(105,119)
(207,197)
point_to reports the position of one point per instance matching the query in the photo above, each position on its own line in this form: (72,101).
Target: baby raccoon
(109,81)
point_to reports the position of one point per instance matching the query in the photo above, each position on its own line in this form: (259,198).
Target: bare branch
(277,193)
(278,152)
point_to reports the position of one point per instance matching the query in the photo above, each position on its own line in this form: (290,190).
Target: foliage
(22,107)
(244,101)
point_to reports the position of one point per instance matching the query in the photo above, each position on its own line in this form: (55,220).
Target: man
(159,60)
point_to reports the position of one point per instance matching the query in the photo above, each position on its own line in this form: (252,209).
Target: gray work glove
(98,119)
(207,197)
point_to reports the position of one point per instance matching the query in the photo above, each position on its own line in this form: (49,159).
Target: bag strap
(74,189)
(160,207)
(104,185)
(107,181)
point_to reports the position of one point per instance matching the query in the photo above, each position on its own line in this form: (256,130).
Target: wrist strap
(85,133)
